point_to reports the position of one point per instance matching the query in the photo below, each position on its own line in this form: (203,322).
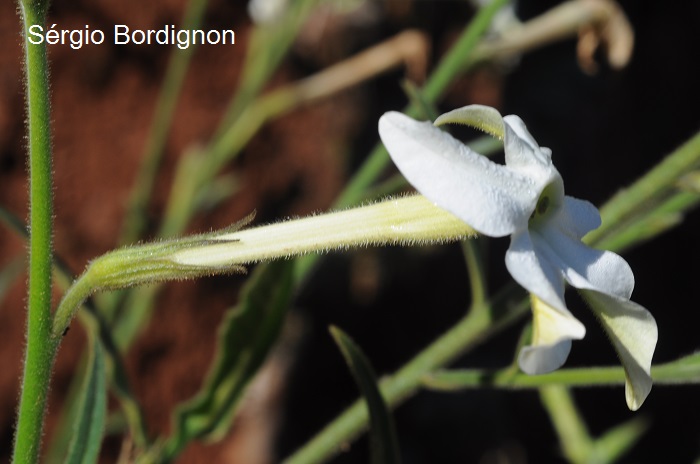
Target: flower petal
(634,334)
(523,154)
(522,151)
(491,198)
(480,117)
(557,241)
(541,277)
(578,217)
(551,339)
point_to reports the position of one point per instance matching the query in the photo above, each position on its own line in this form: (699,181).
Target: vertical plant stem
(41,346)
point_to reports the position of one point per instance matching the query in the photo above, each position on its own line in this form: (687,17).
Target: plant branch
(479,324)
(41,346)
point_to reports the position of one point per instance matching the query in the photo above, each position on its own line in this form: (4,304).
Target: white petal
(633,332)
(542,359)
(557,241)
(521,148)
(480,117)
(538,276)
(491,198)
(578,217)
(523,154)
(551,339)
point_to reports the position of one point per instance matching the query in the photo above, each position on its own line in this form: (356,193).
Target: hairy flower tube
(409,220)
(525,199)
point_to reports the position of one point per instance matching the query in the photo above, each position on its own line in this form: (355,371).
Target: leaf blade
(90,420)
(382,433)
(246,336)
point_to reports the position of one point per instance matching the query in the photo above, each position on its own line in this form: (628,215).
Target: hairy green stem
(41,346)
(97,322)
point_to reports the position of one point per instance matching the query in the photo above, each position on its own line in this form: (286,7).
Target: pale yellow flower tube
(411,220)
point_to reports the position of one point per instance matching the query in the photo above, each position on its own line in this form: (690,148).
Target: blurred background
(606,128)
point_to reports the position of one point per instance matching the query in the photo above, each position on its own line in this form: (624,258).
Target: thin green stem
(447,70)
(180,206)
(452,65)
(573,435)
(660,180)
(268,46)
(685,370)
(135,221)
(507,378)
(117,371)
(475,267)
(480,323)
(650,222)
(41,346)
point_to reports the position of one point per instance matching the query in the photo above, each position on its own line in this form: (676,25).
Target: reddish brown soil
(103,101)
(605,130)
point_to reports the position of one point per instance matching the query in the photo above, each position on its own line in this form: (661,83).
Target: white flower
(525,199)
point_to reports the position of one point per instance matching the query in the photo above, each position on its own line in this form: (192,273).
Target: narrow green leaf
(657,218)
(154,149)
(90,420)
(617,441)
(690,182)
(246,335)
(685,370)
(382,435)
(116,374)
(61,439)
(657,183)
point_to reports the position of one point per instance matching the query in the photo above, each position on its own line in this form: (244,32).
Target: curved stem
(481,322)
(41,346)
